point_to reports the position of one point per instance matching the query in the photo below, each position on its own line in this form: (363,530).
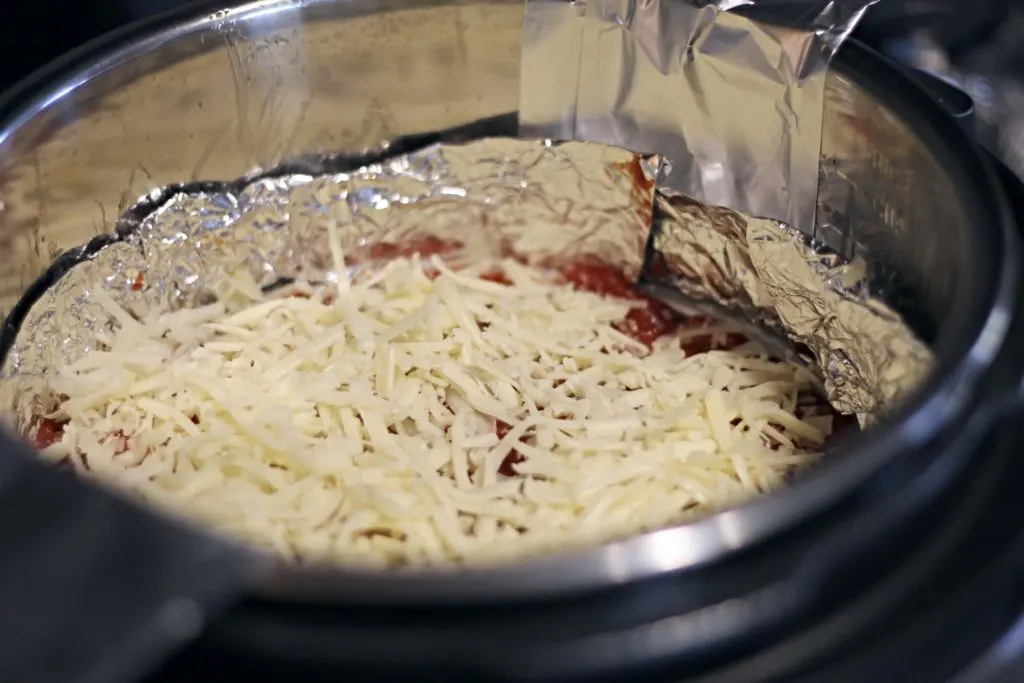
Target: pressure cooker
(901,556)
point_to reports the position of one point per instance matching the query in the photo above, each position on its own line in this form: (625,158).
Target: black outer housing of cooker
(938,598)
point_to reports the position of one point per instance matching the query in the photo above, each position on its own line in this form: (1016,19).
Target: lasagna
(419,414)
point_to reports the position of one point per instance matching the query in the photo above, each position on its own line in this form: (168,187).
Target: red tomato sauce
(650,319)
(497,277)
(46,433)
(507,467)
(424,246)
(600,278)
(641,191)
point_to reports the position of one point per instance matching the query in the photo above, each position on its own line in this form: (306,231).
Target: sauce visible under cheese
(423,415)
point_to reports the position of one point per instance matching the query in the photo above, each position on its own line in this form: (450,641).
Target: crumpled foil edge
(542,200)
(780,282)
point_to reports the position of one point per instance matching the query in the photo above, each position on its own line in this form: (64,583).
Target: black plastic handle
(954,100)
(94,589)
(950,97)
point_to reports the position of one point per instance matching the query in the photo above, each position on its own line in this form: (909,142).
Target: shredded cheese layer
(424,416)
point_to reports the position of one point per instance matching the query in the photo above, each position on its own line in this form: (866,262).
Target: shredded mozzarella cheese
(428,416)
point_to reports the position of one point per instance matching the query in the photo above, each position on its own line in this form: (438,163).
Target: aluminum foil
(731,92)
(543,201)
(772,277)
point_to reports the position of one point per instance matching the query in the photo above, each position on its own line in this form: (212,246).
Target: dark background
(32,32)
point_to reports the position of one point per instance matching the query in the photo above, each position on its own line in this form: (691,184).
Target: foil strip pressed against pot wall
(732,93)
(557,197)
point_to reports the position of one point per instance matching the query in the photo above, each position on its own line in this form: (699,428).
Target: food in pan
(423,414)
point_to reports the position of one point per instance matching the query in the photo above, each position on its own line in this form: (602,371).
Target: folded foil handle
(731,93)
(93,589)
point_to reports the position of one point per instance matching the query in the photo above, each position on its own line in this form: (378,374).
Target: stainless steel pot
(203,94)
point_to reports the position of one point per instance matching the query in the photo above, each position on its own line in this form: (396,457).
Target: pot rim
(984,308)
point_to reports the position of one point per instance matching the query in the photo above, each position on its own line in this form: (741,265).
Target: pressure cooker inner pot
(118,136)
